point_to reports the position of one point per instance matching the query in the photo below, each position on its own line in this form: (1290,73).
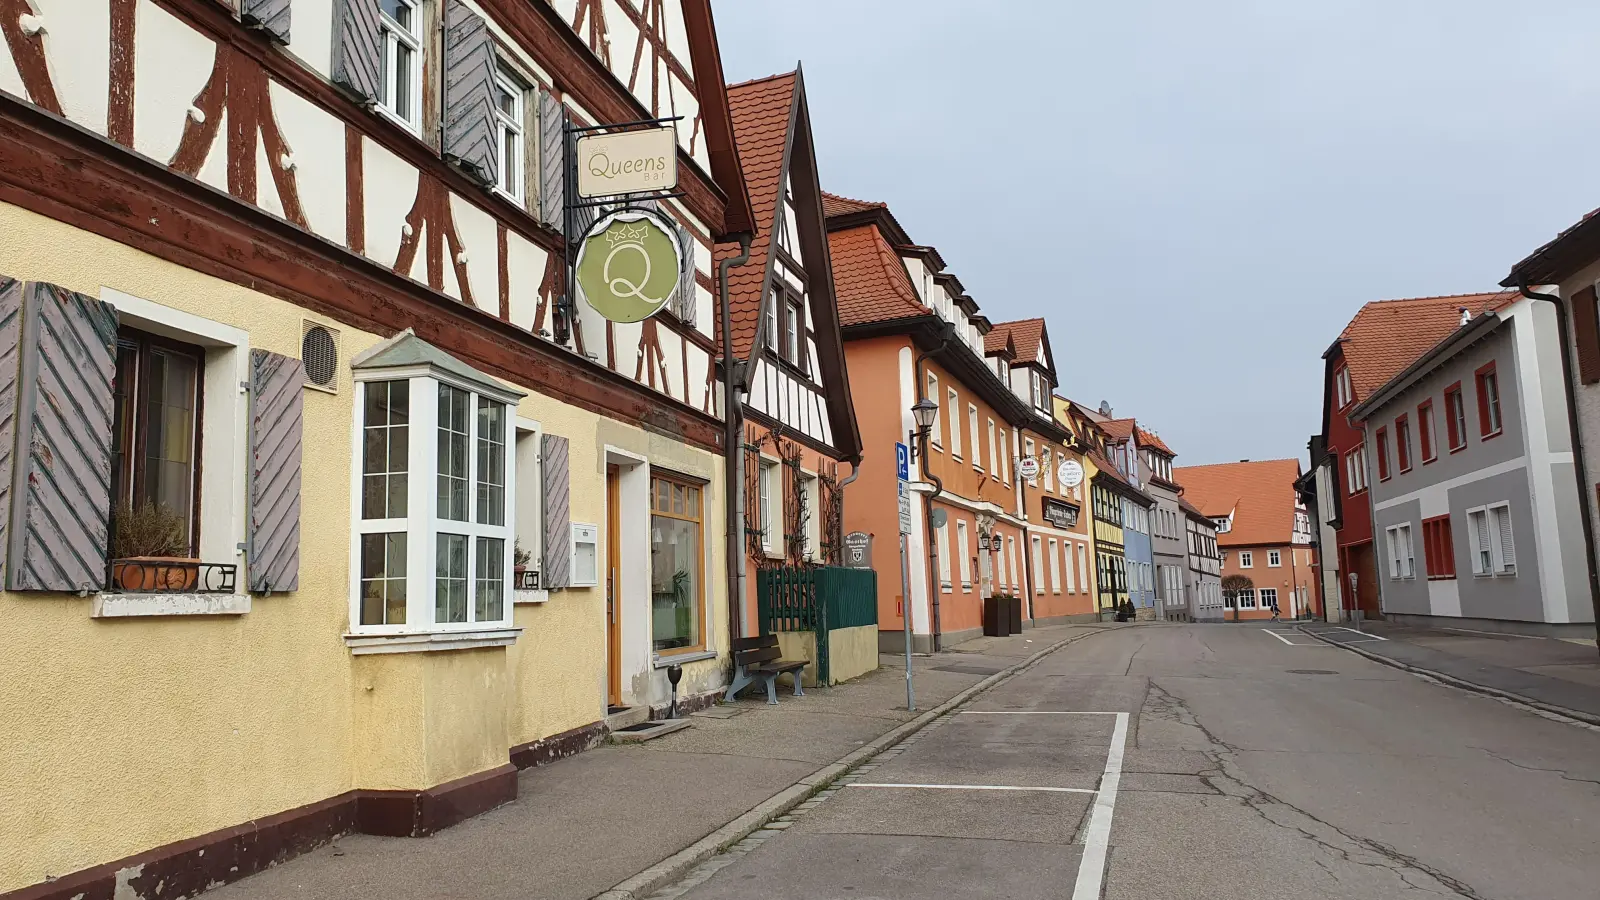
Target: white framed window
(770,501)
(965,551)
(1269,598)
(1402,557)
(400,33)
(1247,599)
(1047,468)
(1055,566)
(994,451)
(772,319)
(811,496)
(433,484)
(510,102)
(1493,549)
(954,402)
(792,326)
(528,502)
(942,534)
(972,423)
(1247,559)
(1274,559)
(935,436)
(1003,461)
(1083,569)
(1038,566)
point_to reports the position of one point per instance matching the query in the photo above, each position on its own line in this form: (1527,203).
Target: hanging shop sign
(1028,468)
(628,265)
(1070,473)
(1061,515)
(627,162)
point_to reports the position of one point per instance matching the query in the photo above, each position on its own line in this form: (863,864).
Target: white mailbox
(585,555)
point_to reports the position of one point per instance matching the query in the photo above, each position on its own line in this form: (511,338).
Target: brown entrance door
(613,600)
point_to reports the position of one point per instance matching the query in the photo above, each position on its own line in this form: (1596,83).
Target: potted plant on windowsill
(519,567)
(150,549)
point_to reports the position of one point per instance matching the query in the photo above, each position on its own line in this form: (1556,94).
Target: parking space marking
(1279,636)
(1033,712)
(1092,868)
(975,787)
(1366,634)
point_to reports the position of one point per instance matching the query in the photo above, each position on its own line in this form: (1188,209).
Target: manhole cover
(1312,672)
(966,670)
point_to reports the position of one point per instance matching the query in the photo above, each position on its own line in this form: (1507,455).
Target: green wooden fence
(818,599)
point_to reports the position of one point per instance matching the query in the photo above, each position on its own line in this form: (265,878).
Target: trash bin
(995,618)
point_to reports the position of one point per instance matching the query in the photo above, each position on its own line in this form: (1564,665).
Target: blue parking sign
(902,462)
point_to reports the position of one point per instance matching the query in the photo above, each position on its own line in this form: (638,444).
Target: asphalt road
(1243,765)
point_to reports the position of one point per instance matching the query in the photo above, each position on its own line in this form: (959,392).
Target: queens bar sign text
(628,162)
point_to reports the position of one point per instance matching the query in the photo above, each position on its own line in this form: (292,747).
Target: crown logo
(624,234)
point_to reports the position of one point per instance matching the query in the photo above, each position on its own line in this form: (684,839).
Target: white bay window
(435,526)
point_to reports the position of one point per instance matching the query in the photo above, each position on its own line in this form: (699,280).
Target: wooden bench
(759,658)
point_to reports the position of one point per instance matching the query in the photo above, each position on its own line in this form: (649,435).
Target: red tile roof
(1148,439)
(1388,335)
(760,112)
(1259,494)
(1027,336)
(835,205)
(1119,430)
(998,340)
(869,279)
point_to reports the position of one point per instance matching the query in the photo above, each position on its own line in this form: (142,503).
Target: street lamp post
(922,413)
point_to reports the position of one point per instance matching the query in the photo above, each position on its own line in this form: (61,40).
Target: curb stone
(674,867)
(1578,715)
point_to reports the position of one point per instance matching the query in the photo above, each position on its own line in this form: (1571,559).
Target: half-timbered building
(799,422)
(325,507)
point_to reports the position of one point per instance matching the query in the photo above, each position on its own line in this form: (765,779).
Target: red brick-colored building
(1383,338)
(1264,533)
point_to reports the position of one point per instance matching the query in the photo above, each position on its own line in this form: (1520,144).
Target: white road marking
(1032,712)
(1092,867)
(975,787)
(1531,637)
(1268,631)
(1365,634)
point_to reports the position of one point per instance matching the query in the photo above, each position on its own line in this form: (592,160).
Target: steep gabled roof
(1153,441)
(997,341)
(1566,253)
(869,278)
(1119,429)
(761,111)
(1388,335)
(1260,495)
(835,205)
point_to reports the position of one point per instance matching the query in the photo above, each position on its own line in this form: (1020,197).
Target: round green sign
(628,265)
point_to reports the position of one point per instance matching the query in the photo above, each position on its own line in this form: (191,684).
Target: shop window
(676,564)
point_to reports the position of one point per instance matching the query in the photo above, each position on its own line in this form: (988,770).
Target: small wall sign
(858,550)
(1028,467)
(1070,473)
(1061,515)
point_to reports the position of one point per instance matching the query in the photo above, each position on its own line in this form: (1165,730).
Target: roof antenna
(1466,315)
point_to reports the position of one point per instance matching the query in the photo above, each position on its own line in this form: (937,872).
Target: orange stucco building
(911,332)
(1264,533)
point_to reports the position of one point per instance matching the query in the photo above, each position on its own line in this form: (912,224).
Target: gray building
(1202,565)
(1168,532)
(1469,458)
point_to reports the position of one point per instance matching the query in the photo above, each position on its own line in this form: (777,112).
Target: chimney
(1466,315)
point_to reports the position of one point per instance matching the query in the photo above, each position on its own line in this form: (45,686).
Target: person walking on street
(1275,610)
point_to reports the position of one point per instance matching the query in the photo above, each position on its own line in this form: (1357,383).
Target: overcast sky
(1198,196)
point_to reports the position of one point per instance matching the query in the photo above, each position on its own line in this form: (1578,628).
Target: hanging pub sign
(628,265)
(1070,473)
(1061,515)
(1028,468)
(627,162)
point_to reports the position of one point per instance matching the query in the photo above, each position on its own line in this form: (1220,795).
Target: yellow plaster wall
(852,652)
(120,736)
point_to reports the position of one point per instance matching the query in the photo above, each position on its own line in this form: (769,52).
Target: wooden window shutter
(10,343)
(275,451)
(270,16)
(553,456)
(686,303)
(552,160)
(357,50)
(61,486)
(1586,334)
(470,136)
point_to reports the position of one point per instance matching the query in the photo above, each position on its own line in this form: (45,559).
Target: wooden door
(613,589)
